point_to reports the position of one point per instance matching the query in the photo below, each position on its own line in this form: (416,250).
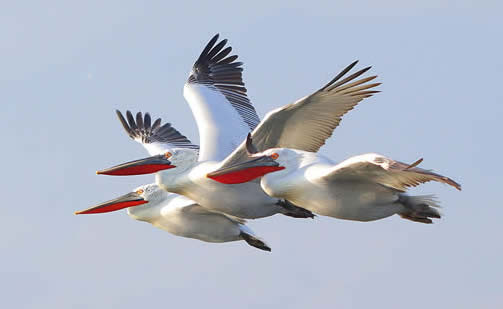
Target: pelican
(363,188)
(216,94)
(168,211)
(179,216)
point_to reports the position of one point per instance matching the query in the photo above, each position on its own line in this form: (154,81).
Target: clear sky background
(65,68)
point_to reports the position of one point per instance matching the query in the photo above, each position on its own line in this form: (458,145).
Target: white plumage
(168,211)
(363,188)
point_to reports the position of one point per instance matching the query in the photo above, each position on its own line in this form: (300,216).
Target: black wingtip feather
(157,124)
(131,121)
(347,79)
(341,74)
(155,133)
(208,47)
(139,120)
(221,55)
(214,54)
(147,121)
(229,60)
(216,49)
(124,123)
(215,69)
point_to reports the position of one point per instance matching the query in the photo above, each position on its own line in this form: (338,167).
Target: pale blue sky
(66,67)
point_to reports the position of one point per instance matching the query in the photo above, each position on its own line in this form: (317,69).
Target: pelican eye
(139,191)
(168,155)
(274,156)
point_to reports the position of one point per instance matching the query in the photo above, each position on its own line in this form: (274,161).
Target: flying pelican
(168,211)
(364,188)
(179,216)
(304,124)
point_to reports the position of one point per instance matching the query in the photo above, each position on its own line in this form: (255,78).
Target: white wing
(155,138)
(308,122)
(376,168)
(217,97)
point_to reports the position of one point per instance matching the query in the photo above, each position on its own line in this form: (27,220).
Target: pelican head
(149,194)
(178,157)
(259,164)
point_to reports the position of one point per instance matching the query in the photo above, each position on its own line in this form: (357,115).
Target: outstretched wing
(376,168)
(216,94)
(308,122)
(156,138)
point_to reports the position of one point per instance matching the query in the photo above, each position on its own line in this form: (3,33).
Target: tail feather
(420,208)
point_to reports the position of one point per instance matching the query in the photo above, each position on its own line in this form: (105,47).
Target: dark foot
(292,210)
(417,219)
(255,242)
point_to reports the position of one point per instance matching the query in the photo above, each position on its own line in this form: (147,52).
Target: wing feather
(156,138)
(307,123)
(197,210)
(130,119)
(388,172)
(157,124)
(217,97)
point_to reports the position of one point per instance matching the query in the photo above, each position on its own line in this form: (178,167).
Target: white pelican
(305,125)
(179,216)
(168,211)
(363,188)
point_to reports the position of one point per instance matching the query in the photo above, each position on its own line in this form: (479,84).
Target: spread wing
(216,94)
(156,138)
(376,168)
(308,122)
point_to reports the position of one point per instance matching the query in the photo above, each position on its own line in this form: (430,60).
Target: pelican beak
(139,167)
(246,171)
(128,200)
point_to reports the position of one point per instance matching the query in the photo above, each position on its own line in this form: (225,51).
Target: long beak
(128,200)
(139,167)
(246,171)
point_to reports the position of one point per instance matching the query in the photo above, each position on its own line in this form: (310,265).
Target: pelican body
(363,188)
(179,216)
(246,200)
